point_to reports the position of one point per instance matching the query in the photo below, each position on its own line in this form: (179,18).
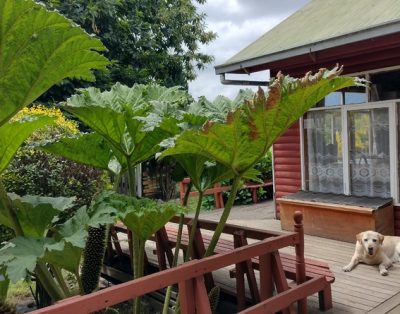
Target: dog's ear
(381,237)
(359,237)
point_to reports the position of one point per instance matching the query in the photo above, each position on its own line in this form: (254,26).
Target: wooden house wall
(287,163)
(397,220)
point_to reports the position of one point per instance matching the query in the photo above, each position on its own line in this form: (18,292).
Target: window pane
(369,152)
(355,97)
(323,151)
(333,99)
(385,86)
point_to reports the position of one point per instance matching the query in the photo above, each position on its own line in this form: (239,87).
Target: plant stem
(177,248)
(224,216)
(194,226)
(41,270)
(140,247)
(48,282)
(6,204)
(131,179)
(60,279)
(79,280)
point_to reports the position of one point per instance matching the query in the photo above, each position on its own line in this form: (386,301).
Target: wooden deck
(362,290)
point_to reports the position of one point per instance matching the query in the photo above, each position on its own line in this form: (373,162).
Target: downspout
(224,81)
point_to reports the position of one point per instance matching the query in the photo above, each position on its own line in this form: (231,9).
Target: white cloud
(237,23)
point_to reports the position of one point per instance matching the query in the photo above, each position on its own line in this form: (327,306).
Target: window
(323,147)
(369,152)
(348,96)
(350,146)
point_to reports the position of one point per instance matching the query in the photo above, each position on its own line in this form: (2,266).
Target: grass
(18,292)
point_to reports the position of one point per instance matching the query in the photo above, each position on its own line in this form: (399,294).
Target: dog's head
(370,241)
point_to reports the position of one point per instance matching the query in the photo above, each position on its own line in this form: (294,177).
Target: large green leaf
(36,213)
(21,254)
(39,49)
(68,259)
(74,230)
(203,174)
(126,118)
(13,134)
(76,149)
(248,132)
(149,217)
(143,216)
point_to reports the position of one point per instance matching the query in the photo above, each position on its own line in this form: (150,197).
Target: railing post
(183,186)
(300,262)
(218,199)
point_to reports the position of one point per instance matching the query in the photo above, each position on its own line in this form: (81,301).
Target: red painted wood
(287,160)
(129,290)
(201,297)
(187,296)
(300,262)
(284,299)
(378,47)
(266,282)
(286,153)
(397,220)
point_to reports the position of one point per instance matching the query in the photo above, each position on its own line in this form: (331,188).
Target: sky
(237,23)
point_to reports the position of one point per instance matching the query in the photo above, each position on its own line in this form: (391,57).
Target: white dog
(373,248)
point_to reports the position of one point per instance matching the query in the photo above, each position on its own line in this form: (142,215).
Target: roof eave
(378,31)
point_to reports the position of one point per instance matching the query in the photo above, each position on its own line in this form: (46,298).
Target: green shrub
(5,234)
(265,167)
(39,173)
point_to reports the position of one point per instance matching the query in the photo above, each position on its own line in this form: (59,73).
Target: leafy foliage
(13,134)
(37,173)
(218,109)
(157,42)
(34,54)
(143,216)
(124,121)
(251,130)
(63,246)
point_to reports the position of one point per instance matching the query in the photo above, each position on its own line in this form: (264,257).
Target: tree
(155,41)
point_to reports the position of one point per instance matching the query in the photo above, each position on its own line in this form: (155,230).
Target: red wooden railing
(218,189)
(190,280)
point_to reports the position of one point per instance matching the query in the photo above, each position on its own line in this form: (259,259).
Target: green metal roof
(320,21)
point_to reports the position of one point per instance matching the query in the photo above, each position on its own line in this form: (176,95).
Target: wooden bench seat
(166,240)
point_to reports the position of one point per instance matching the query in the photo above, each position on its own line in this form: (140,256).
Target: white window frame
(393,140)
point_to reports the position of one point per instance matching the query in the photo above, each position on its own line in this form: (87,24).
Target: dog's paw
(384,272)
(347,268)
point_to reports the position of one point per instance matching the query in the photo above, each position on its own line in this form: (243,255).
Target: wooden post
(266,282)
(186,296)
(183,186)
(198,252)
(300,263)
(239,241)
(218,199)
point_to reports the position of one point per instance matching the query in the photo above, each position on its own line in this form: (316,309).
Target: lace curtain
(368,153)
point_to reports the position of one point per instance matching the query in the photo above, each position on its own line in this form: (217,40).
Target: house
(349,143)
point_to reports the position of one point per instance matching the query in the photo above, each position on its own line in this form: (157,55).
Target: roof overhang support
(224,81)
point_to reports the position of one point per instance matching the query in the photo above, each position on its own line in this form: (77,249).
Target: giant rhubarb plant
(38,49)
(249,132)
(128,124)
